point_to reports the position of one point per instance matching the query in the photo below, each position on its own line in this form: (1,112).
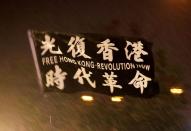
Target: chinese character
(48,44)
(140,81)
(77,47)
(110,81)
(56,77)
(106,47)
(137,50)
(81,73)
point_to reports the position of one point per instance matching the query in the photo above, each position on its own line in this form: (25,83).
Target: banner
(112,65)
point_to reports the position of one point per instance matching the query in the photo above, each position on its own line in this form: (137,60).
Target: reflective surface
(165,23)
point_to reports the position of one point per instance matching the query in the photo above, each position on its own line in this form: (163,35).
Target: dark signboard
(111,65)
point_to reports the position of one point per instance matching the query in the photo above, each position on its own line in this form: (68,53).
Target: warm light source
(116,98)
(176,90)
(87,98)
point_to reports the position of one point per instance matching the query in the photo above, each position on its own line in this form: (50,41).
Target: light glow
(176,90)
(116,98)
(87,98)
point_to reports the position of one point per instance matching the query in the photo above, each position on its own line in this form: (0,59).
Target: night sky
(165,23)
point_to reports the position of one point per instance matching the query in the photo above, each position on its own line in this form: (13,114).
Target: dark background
(165,23)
